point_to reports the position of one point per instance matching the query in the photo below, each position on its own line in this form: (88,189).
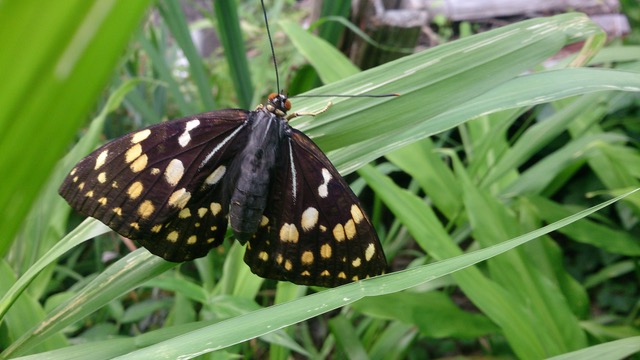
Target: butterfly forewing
(314,231)
(162,185)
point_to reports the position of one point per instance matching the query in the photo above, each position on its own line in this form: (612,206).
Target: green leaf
(619,349)
(67,54)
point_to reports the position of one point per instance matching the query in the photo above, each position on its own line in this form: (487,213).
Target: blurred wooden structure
(401,23)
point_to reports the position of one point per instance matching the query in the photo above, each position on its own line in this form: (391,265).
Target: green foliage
(478,149)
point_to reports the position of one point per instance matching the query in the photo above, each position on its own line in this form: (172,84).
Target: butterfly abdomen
(253,170)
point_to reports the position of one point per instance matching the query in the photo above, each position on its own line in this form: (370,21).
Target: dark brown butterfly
(174,187)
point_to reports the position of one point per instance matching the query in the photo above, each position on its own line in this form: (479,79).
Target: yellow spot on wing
(202,212)
(288,265)
(350,229)
(263,256)
(307,258)
(356,214)
(132,153)
(89,194)
(156,228)
(279,259)
(338,233)
(102,201)
(342,275)
(146,209)
(139,164)
(135,190)
(117,211)
(184,213)
(325,273)
(289,233)
(102,177)
(140,136)
(173,236)
(356,262)
(369,252)
(325,251)
(215,208)
(264,221)
(135,225)
(101,159)
(179,198)
(192,240)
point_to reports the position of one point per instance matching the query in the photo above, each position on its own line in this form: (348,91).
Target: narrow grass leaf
(263,321)
(619,349)
(116,280)
(88,229)
(232,41)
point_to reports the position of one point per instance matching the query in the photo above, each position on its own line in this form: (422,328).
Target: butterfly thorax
(254,167)
(278,104)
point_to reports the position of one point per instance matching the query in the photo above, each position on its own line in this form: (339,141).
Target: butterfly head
(278,104)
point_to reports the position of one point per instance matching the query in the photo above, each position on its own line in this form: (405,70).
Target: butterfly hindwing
(314,231)
(161,185)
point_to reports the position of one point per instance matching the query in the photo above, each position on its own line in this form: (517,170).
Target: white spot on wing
(185,138)
(192,124)
(323,189)
(216,175)
(174,171)
(309,218)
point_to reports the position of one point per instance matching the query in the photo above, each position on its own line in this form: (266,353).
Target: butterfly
(177,186)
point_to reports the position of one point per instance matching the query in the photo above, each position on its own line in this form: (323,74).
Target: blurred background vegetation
(545,141)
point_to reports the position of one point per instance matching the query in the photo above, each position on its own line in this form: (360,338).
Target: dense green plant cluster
(475,177)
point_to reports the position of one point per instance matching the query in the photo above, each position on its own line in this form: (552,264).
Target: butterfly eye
(272,96)
(287,105)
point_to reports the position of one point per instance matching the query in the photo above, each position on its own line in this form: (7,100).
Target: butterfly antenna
(273,53)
